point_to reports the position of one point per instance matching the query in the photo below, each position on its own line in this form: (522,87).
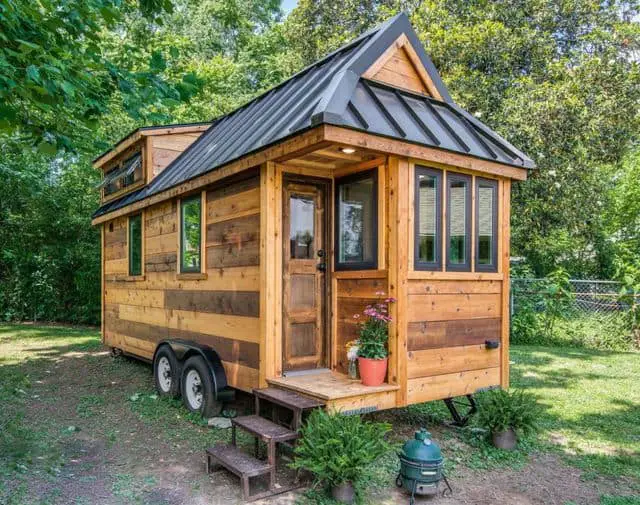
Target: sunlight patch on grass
(591,400)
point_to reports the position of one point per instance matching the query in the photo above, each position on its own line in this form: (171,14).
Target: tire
(197,388)
(166,373)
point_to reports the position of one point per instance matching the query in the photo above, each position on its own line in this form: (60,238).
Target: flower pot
(343,493)
(372,371)
(505,440)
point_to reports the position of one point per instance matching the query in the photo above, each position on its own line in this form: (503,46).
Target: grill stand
(412,498)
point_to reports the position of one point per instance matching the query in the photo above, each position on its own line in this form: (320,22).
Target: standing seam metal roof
(332,91)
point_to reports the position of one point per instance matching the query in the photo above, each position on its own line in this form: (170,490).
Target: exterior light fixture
(348,150)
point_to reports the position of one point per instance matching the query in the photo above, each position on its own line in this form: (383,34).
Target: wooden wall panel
(220,310)
(353,296)
(451,307)
(437,387)
(434,334)
(166,148)
(451,359)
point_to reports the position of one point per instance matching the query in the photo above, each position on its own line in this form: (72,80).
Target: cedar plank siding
(221,311)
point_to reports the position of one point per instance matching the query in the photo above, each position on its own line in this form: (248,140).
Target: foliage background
(559,79)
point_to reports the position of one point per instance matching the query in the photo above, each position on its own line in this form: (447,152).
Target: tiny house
(235,253)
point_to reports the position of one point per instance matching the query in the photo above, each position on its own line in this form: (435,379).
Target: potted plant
(372,349)
(505,414)
(338,450)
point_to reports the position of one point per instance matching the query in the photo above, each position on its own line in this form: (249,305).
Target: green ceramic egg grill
(421,464)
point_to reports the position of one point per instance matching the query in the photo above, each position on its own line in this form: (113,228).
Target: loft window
(356,221)
(135,245)
(486,225)
(190,234)
(123,175)
(458,222)
(428,219)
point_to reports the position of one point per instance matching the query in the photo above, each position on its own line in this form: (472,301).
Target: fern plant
(337,448)
(500,410)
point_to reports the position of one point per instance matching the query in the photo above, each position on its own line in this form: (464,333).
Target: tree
(561,81)
(56,79)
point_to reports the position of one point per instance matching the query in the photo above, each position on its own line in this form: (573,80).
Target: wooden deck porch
(339,392)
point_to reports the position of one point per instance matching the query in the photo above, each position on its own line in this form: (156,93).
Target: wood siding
(221,310)
(353,296)
(450,317)
(166,148)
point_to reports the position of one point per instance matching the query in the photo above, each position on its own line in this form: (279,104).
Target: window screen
(486,224)
(428,219)
(458,222)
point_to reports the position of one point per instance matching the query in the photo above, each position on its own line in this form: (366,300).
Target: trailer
(235,253)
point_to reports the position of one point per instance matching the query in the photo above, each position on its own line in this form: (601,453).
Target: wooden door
(304,276)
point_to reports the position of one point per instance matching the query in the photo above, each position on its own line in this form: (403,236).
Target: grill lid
(422,448)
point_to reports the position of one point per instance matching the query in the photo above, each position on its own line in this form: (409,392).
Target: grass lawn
(78,426)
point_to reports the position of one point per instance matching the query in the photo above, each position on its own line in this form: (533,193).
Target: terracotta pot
(372,371)
(505,440)
(344,493)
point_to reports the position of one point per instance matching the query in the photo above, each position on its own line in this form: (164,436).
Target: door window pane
(301,234)
(427,215)
(486,224)
(357,240)
(458,226)
(190,234)
(135,245)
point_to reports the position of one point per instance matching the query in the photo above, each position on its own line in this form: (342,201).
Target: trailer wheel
(197,388)
(166,372)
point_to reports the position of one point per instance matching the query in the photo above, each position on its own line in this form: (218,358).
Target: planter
(505,440)
(372,371)
(344,493)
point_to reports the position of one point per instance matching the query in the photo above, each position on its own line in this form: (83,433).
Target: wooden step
(287,399)
(236,461)
(265,429)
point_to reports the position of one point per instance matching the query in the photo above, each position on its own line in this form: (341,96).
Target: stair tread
(238,461)
(264,428)
(288,399)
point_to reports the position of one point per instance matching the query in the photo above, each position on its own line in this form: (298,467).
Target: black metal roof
(333,91)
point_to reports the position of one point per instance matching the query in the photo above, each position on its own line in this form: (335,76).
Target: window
(302,212)
(428,219)
(458,222)
(123,175)
(135,245)
(356,221)
(190,234)
(486,225)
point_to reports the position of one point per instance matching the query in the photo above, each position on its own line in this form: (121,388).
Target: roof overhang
(317,138)
(146,131)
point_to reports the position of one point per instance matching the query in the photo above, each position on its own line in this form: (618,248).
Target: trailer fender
(184,349)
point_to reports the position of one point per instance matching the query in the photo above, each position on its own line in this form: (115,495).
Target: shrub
(499,410)
(338,448)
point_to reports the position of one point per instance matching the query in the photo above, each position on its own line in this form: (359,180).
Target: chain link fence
(586,313)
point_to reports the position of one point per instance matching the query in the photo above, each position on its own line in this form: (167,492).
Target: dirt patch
(115,450)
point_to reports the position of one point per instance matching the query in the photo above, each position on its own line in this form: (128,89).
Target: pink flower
(390,300)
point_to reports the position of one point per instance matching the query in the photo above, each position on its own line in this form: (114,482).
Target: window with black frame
(190,234)
(428,219)
(458,222)
(486,225)
(135,245)
(356,221)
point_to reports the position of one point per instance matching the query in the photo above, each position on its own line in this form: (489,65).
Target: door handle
(322,267)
